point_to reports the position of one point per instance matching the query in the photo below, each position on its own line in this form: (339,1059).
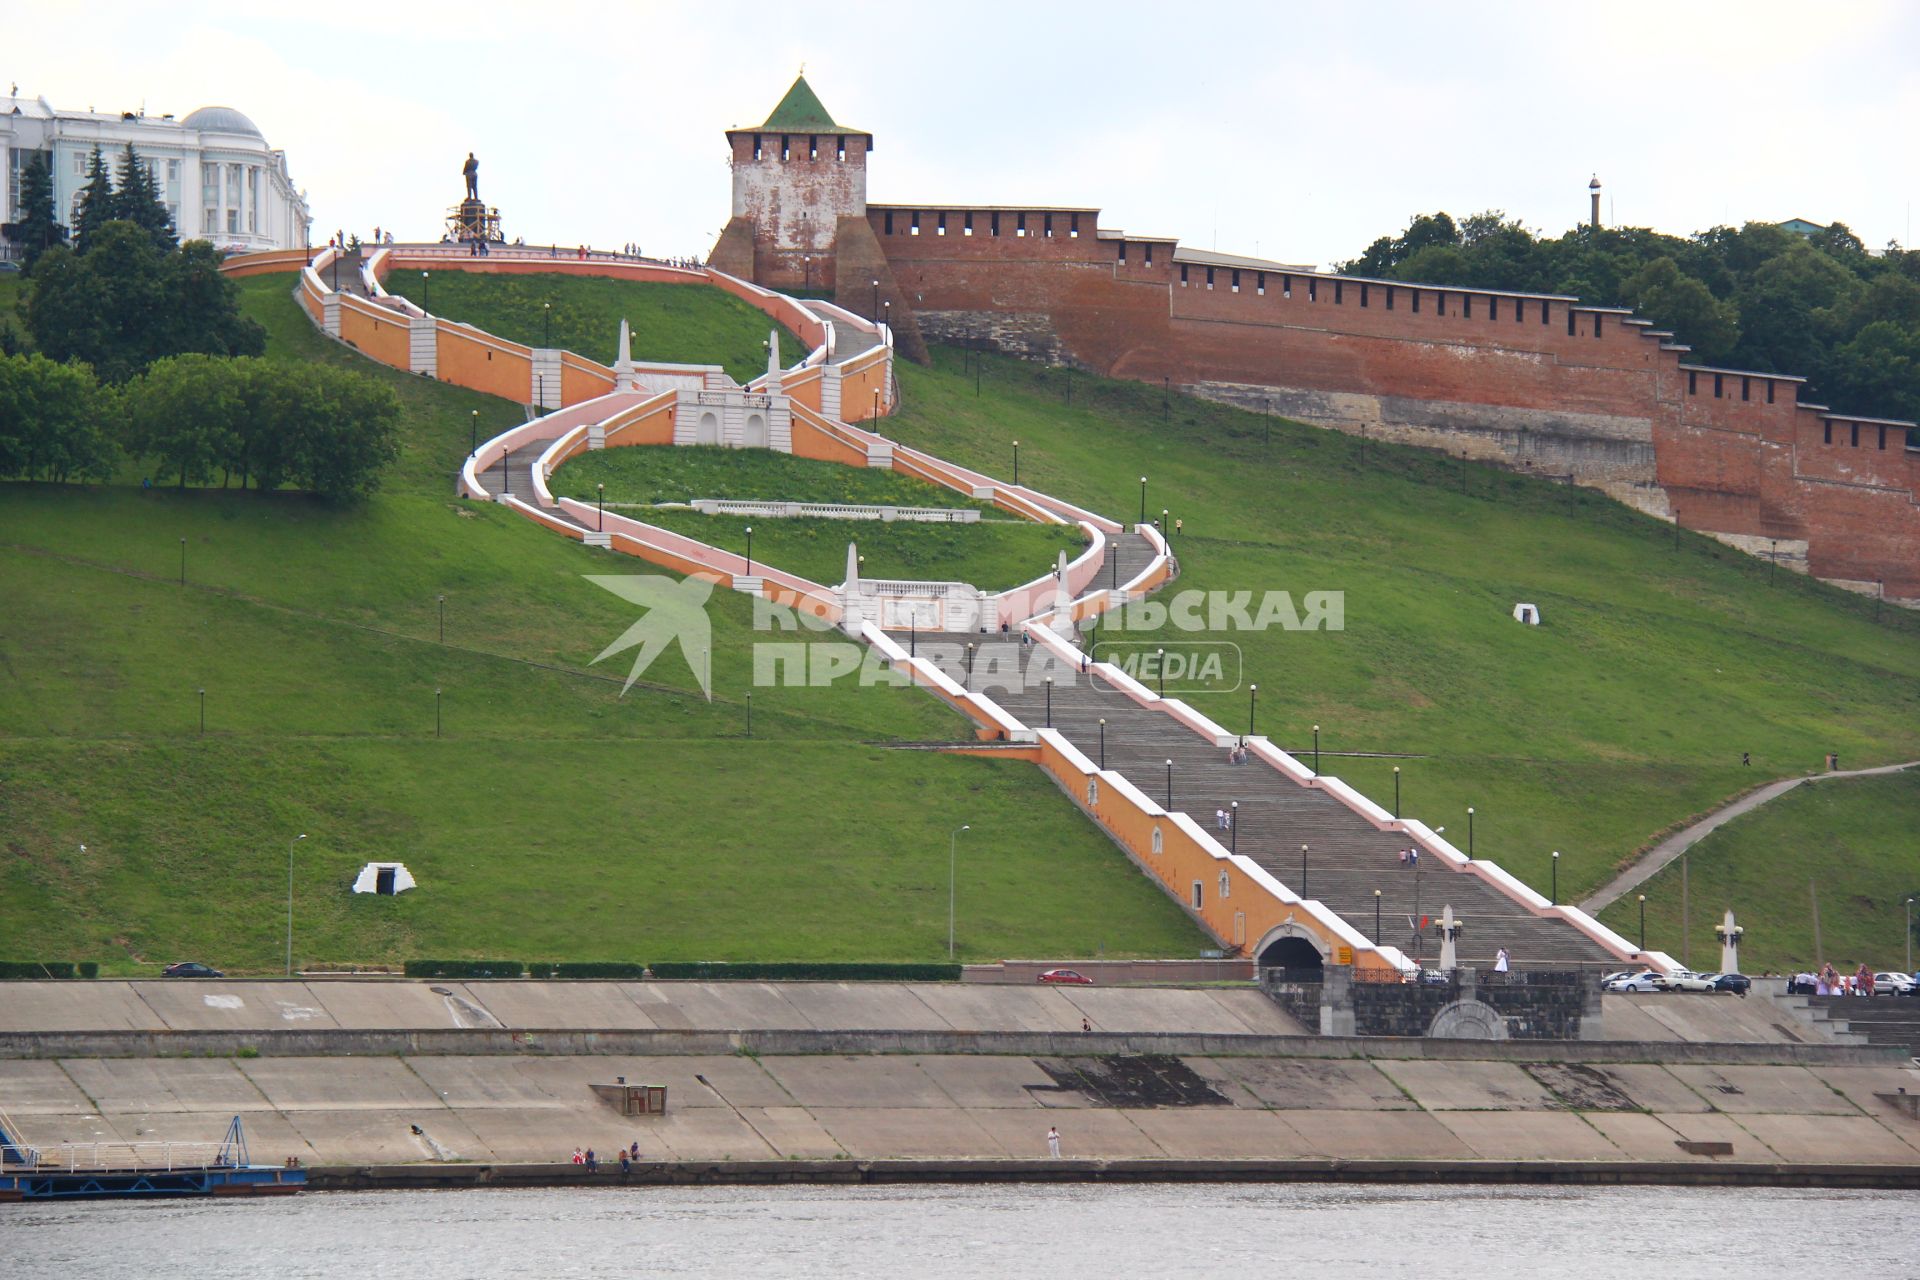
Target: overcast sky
(1300,132)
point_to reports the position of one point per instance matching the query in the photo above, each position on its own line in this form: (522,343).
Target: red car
(1067,976)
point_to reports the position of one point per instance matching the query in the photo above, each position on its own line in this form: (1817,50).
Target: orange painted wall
(500,369)
(810,441)
(375,336)
(857,388)
(580,380)
(805,388)
(259,264)
(655,427)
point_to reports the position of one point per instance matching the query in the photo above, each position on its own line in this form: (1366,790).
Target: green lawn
(552,819)
(670,323)
(1622,716)
(683,473)
(1847,841)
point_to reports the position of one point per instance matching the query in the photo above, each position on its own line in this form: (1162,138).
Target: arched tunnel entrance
(1297,956)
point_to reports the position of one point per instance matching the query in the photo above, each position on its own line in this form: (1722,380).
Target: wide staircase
(1881,1019)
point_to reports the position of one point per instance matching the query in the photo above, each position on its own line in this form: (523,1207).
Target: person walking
(1500,960)
(1053,1142)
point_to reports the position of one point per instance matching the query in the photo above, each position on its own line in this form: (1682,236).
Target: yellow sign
(1343,955)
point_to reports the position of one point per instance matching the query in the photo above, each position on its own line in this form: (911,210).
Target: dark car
(190,969)
(1738,983)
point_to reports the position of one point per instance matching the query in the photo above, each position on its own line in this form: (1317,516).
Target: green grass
(681,474)
(1622,716)
(1851,838)
(554,819)
(670,323)
(993,555)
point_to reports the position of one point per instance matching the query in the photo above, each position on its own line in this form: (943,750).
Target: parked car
(1684,980)
(1893,984)
(190,969)
(1737,983)
(1066,976)
(1644,980)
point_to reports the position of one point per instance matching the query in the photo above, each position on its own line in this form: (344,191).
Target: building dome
(222,120)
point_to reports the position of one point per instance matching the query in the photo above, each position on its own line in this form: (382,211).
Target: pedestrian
(1179,527)
(1053,1142)
(1086,1024)
(593,1161)
(626,1163)
(1500,960)
(634,1150)
(579,1156)
(1746,759)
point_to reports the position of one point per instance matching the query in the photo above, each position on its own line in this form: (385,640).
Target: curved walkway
(1662,854)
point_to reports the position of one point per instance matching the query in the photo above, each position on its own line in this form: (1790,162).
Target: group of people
(591,1160)
(1830,982)
(1237,753)
(1223,819)
(1410,856)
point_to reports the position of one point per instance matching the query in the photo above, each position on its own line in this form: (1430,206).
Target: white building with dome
(218,177)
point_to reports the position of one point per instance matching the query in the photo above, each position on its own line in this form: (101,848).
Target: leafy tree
(349,434)
(138,200)
(1790,309)
(38,229)
(98,204)
(1681,303)
(53,421)
(203,306)
(182,413)
(1879,366)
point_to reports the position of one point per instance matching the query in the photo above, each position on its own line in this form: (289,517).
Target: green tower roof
(802,112)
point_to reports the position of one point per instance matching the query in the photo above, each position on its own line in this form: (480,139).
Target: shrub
(36,968)
(464,968)
(809,971)
(600,969)
(89,968)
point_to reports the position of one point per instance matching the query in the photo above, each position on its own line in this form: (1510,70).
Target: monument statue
(471,171)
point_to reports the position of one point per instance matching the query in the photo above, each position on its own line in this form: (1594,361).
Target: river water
(1215,1232)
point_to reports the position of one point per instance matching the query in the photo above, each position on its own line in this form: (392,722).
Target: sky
(1292,131)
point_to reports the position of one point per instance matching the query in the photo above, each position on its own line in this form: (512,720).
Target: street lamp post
(425,284)
(183,562)
(953,855)
(203,711)
(546,312)
(1233,827)
(443,617)
(1103,769)
(749,551)
(473,435)
(1316,751)
(1643,922)
(886,310)
(876,299)
(1909,935)
(1253,692)
(1016,462)
(1160,669)
(1143,499)
(1469,833)
(969,664)
(1396,791)
(1556,877)
(1166,525)
(290,847)
(602,488)
(1376,916)
(1303,871)
(749,713)
(1169,784)
(436,713)
(1049,702)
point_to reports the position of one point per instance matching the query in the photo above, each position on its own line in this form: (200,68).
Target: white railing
(74,1156)
(834,511)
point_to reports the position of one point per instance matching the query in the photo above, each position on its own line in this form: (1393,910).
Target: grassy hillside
(712,471)
(670,323)
(1850,838)
(1661,660)
(551,819)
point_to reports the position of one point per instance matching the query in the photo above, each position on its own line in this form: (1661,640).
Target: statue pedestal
(473,220)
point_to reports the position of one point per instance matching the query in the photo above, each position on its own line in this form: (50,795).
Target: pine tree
(138,200)
(98,205)
(38,230)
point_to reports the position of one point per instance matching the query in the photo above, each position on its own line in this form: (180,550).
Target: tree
(182,413)
(1879,366)
(1682,304)
(203,306)
(52,421)
(349,435)
(38,229)
(138,201)
(98,205)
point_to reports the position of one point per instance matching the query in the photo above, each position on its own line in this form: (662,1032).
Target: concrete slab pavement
(728,1005)
(383,1136)
(1313,1084)
(1378,1135)
(791,1131)
(1084,1135)
(969,1007)
(1830,1139)
(1258,1012)
(909,1133)
(319,1084)
(1469,1086)
(380,1005)
(1153,1009)
(1221,1133)
(1529,1135)
(986,1082)
(140,1086)
(844,1081)
(865,1006)
(225,1006)
(544,1005)
(74,1006)
(1741,1090)
(30,1087)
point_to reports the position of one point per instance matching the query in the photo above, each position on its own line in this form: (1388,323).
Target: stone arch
(708,430)
(756,436)
(1468,1020)
(1292,948)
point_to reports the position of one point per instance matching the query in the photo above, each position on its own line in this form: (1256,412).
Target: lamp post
(1166,525)
(1556,877)
(1166,397)
(953,856)
(473,435)
(546,312)
(602,488)
(183,562)
(425,284)
(1049,702)
(436,713)
(1376,916)
(203,711)
(1643,922)
(443,617)
(886,311)
(749,713)
(749,551)
(1316,751)
(290,847)
(969,665)
(1103,769)
(1016,462)
(1160,669)
(1303,871)
(1469,832)
(875,313)
(1169,784)
(1143,499)
(1773,559)
(1396,791)
(1253,692)
(1233,827)
(1909,935)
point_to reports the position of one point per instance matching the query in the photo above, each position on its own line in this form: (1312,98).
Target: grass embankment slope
(670,323)
(1660,661)
(1852,839)
(553,820)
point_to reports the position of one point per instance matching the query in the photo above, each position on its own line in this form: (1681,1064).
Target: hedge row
(712,970)
(48,969)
